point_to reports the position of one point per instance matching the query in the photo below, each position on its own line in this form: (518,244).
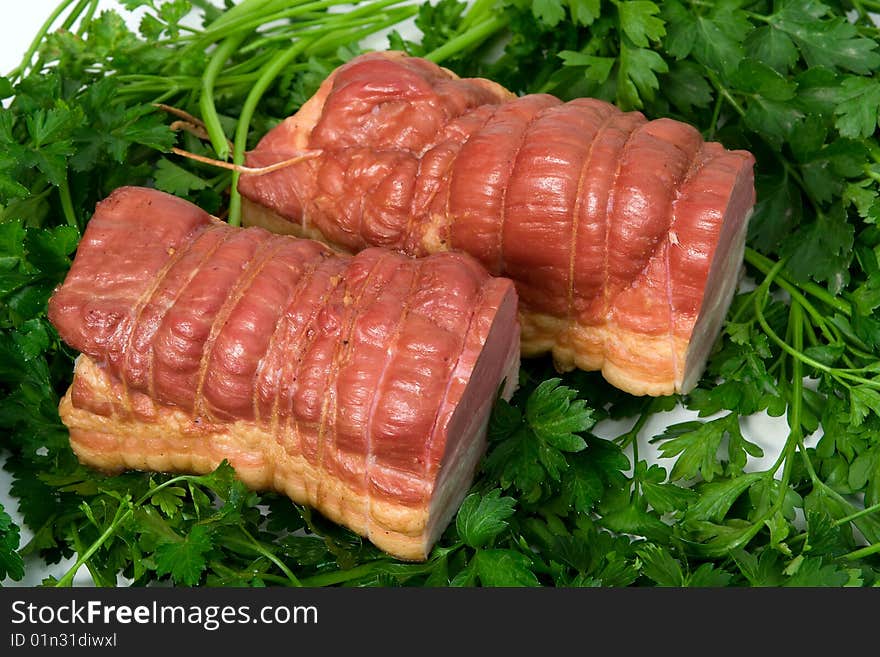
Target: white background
(20,20)
(19,24)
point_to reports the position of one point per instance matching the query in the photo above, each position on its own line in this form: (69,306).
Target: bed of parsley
(554,504)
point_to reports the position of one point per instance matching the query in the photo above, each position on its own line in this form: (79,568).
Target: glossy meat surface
(608,223)
(360,385)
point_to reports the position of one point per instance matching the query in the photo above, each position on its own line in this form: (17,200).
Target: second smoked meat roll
(624,236)
(360,385)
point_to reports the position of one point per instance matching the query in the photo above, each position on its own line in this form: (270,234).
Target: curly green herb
(558,501)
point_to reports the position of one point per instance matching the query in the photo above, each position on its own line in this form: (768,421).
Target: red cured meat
(360,385)
(624,236)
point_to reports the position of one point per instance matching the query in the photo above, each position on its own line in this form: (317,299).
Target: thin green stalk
(206,99)
(242,9)
(148,85)
(225,570)
(125,509)
(74,13)
(858,514)
(86,20)
(831,333)
(479,11)
(340,576)
(246,115)
(818,483)
(246,25)
(796,403)
(252,63)
(333,40)
(67,203)
(118,518)
(863,552)
(764,265)
(794,422)
(271,557)
(716,112)
(761,299)
(472,37)
(624,439)
(725,92)
(267,13)
(77,544)
(267,77)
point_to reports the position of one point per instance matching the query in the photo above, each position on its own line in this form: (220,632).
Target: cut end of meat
(471,418)
(358,385)
(724,274)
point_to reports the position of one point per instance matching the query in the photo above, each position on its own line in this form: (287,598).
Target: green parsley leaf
(175,179)
(822,251)
(696,445)
(186,559)
(11,563)
(717,497)
(549,12)
(858,107)
(555,414)
(640,22)
(833,42)
(660,566)
(812,572)
(596,69)
(482,517)
(773,47)
(637,77)
(685,86)
(504,568)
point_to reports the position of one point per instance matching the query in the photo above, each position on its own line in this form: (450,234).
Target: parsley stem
(244,575)
(479,10)
(74,13)
(724,91)
(796,324)
(331,40)
(791,443)
(378,567)
(246,25)
(716,112)
(826,489)
(243,8)
(206,99)
(861,513)
(122,513)
(764,265)
(86,20)
(863,552)
(760,300)
(271,557)
(624,439)
(338,35)
(858,514)
(77,544)
(244,121)
(472,37)
(67,203)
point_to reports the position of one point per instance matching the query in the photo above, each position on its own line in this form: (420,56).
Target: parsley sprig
(567,494)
